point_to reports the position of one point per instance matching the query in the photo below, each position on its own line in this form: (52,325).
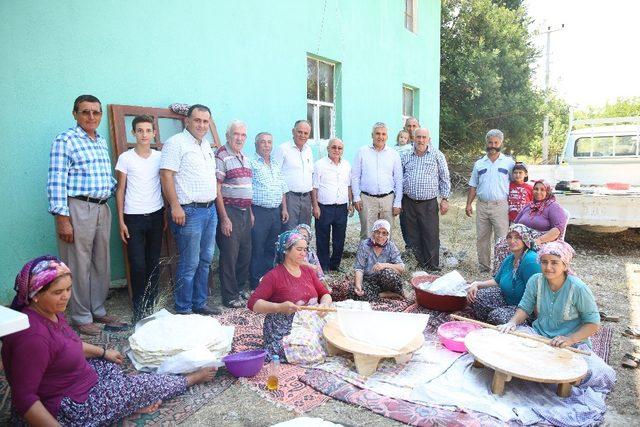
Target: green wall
(245,59)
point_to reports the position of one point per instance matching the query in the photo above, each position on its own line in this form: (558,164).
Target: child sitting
(520,193)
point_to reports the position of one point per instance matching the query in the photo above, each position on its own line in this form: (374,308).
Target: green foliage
(623,107)
(487,58)
(558,111)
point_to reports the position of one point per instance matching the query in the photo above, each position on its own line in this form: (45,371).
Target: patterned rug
(171,412)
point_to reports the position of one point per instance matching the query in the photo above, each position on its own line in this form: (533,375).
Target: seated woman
(52,382)
(566,310)
(544,216)
(378,268)
(312,257)
(495,300)
(289,284)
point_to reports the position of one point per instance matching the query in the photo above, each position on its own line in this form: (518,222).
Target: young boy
(520,193)
(141,214)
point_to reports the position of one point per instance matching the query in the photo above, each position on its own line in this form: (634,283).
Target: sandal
(630,361)
(609,317)
(631,332)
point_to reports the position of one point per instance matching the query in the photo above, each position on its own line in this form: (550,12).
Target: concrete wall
(245,59)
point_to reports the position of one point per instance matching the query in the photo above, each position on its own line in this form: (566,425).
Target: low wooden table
(512,356)
(365,356)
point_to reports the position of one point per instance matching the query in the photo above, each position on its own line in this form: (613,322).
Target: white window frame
(413,13)
(319,143)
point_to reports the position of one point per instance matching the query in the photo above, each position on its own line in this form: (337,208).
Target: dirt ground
(609,263)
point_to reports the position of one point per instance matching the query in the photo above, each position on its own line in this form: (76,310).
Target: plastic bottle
(272,379)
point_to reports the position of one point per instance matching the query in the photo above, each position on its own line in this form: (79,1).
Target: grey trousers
(235,253)
(299,208)
(373,209)
(491,218)
(422,225)
(88,259)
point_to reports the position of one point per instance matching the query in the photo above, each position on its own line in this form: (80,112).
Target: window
(321,105)
(411,15)
(409,106)
(607,146)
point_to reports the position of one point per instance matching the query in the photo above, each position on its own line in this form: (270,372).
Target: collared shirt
(426,177)
(234,174)
(366,258)
(377,172)
(268,183)
(296,166)
(491,179)
(78,166)
(332,181)
(195,167)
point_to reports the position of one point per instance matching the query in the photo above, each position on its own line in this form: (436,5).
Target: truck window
(627,145)
(606,146)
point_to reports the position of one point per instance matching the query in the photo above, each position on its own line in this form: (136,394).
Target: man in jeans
(490,183)
(188,175)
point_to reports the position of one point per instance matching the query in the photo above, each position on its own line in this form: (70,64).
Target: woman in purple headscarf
(55,378)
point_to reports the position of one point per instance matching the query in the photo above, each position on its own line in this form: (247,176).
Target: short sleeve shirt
(143,194)
(234,174)
(332,181)
(491,179)
(296,166)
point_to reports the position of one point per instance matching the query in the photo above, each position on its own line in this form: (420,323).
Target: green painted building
(344,64)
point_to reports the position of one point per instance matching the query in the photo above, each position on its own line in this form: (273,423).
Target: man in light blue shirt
(376,181)
(490,183)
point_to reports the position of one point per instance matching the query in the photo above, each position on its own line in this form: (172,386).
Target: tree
(487,58)
(623,107)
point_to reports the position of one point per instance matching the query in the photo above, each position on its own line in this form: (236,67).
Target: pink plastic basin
(452,334)
(245,363)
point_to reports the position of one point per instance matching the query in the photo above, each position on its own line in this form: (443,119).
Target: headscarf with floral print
(35,275)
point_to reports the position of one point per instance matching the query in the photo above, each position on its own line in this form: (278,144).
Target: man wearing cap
(295,160)
(188,176)
(426,177)
(376,181)
(79,185)
(489,182)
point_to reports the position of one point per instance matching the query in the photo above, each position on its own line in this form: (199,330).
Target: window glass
(325,122)
(627,145)
(312,79)
(310,115)
(582,147)
(407,101)
(326,82)
(602,146)
(408,15)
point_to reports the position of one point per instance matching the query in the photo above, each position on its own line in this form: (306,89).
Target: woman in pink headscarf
(55,378)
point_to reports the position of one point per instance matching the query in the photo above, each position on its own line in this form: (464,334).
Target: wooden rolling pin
(521,334)
(317,308)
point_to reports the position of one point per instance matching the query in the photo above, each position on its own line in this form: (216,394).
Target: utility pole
(545,125)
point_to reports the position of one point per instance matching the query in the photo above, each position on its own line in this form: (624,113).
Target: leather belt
(379,196)
(300,194)
(414,200)
(199,204)
(91,199)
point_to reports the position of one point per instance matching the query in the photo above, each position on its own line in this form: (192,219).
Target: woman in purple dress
(544,217)
(55,378)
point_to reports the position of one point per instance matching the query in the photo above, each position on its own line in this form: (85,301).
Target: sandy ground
(610,264)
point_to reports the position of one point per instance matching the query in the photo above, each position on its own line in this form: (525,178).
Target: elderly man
(376,181)
(295,160)
(269,207)
(187,173)
(79,185)
(234,210)
(332,203)
(410,125)
(426,176)
(490,183)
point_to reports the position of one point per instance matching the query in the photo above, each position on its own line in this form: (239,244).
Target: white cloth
(377,172)
(195,167)
(143,194)
(296,166)
(332,181)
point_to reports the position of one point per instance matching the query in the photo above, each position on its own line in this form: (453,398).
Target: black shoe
(236,303)
(245,295)
(433,268)
(336,270)
(207,311)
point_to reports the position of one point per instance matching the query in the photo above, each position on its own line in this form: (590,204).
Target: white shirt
(143,194)
(377,172)
(332,181)
(195,167)
(491,179)
(296,166)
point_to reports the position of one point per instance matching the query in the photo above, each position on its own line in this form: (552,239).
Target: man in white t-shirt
(141,215)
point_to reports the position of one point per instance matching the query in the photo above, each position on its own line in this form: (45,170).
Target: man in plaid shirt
(79,185)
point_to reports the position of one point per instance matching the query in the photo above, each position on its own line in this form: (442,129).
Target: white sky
(596,57)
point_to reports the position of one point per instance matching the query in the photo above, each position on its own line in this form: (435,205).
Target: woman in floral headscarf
(544,217)
(312,257)
(495,300)
(289,284)
(55,378)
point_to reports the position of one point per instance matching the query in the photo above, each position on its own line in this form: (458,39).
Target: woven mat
(171,412)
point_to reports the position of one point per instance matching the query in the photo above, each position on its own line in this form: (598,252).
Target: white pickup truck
(600,167)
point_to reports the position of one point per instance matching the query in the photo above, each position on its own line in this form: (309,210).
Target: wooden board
(365,356)
(513,356)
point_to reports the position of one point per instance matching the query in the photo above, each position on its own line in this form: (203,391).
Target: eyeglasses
(335,147)
(381,232)
(89,113)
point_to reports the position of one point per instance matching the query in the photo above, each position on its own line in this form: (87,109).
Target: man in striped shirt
(79,185)
(233,174)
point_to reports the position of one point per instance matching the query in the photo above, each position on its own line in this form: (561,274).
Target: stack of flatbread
(167,336)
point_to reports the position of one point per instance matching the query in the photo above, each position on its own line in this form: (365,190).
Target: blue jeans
(195,241)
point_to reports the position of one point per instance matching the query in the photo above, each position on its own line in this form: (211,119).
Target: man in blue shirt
(79,185)
(489,182)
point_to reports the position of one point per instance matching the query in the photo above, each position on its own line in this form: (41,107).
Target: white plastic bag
(450,284)
(189,361)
